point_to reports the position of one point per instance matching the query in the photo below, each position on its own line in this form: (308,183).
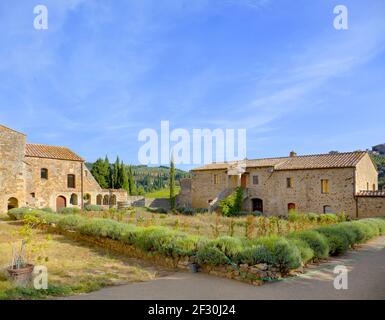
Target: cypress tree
(172,184)
(123,179)
(131,182)
(115,174)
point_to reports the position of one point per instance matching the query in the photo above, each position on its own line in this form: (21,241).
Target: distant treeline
(380,162)
(136,179)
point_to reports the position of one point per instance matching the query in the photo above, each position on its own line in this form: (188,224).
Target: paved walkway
(366,280)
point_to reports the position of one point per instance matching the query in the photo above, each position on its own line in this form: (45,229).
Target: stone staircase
(223,194)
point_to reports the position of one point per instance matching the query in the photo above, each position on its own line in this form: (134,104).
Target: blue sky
(104,70)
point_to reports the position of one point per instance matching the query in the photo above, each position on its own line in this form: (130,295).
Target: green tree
(123,179)
(131,183)
(172,184)
(107,172)
(115,183)
(100,172)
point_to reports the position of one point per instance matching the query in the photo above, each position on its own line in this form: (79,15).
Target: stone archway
(257,205)
(61,202)
(13,203)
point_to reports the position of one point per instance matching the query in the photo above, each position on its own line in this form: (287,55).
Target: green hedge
(284,253)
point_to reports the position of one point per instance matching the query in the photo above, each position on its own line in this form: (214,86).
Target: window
(44,173)
(367,186)
(324,186)
(99,199)
(291,207)
(217,178)
(374,187)
(328,209)
(255,180)
(71,181)
(289,183)
(33,195)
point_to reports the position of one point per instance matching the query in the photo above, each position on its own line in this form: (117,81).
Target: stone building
(41,176)
(335,182)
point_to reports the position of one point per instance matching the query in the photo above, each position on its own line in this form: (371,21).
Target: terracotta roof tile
(365,193)
(317,161)
(50,152)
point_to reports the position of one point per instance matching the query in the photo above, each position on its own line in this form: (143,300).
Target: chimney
(293,154)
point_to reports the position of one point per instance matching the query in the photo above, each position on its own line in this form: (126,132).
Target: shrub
(254,254)
(47,217)
(293,216)
(186,211)
(285,254)
(99,227)
(94,207)
(328,218)
(230,246)
(70,221)
(337,239)
(312,217)
(307,253)
(19,213)
(257,213)
(47,210)
(72,210)
(156,238)
(208,254)
(317,242)
(187,246)
(232,205)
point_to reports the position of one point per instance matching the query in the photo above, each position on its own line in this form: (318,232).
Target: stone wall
(184,199)
(20,178)
(366,175)
(12,167)
(305,193)
(141,201)
(370,206)
(203,188)
(272,190)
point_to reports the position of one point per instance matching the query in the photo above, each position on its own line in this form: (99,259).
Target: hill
(147,179)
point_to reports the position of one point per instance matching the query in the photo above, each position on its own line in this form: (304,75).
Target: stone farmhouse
(324,183)
(41,176)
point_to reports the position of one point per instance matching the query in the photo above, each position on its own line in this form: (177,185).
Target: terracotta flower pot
(21,276)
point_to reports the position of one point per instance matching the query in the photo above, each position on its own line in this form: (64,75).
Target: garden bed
(252,260)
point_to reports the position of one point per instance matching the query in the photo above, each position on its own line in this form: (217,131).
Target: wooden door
(244,181)
(60,203)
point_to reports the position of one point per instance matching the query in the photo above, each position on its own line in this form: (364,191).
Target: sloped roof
(4,128)
(368,193)
(317,161)
(50,152)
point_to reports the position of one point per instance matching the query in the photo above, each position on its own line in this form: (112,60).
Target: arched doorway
(99,200)
(13,203)
(291,207)
(74,199)
(87,199)
(257,205)
(106,201)
(113,200)
(61,202)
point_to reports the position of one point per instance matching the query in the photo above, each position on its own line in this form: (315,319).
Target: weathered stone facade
(22,183)
(319,184)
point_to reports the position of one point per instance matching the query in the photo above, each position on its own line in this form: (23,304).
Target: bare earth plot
(366,280)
